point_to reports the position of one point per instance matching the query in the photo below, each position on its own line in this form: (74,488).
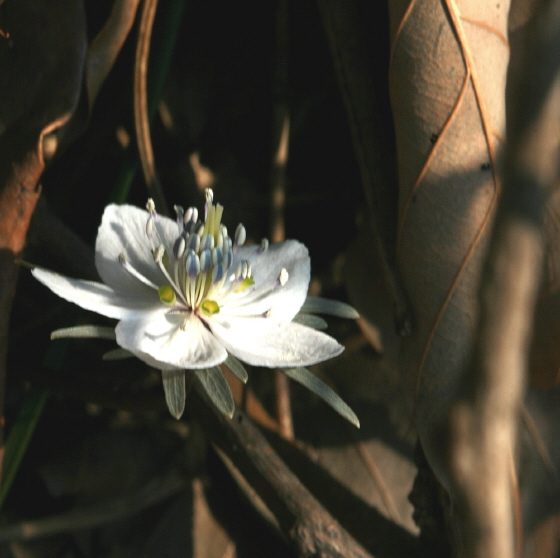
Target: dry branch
(484,418)
(298,514)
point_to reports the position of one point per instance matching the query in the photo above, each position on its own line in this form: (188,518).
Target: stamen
(218,273)
(201,292)
(191,224)
(240,235)
(208,205)
(205,261)
(151,207)
(192,264)
(158,253)
(134,273)
(191,215)
(180,217)
(283,277)
(217,256)
(243,270)
(194,243)
(158,257)
(228,259)
(150,227)
(179,247)
(264,245)
(254,296)
(207,242)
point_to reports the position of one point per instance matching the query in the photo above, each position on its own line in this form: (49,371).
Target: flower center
(198,264)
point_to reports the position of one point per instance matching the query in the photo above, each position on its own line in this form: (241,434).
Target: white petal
(123,231)
(316,304)
(178,340)
(271,343)
(96,296)
(283,302)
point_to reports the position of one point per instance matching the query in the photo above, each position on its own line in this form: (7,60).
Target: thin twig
(141,118)
(104,48)
(281,137)
(155,491)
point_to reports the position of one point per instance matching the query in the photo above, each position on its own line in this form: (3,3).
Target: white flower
(187,296)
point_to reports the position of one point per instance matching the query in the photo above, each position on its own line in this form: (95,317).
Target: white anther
(179,247)
(283,277)
(158,253)
(240,235)
(151,206)
(191,215)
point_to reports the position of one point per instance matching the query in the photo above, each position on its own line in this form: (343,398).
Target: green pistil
(213,220)
(217,220)
(209,307)
(245,284)
(167,295)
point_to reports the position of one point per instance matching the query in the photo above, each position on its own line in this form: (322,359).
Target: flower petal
(175,340)
(318,305)
(123,231)
(96,296)
(271,343)
(267,295)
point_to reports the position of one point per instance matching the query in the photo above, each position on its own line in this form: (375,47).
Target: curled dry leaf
(42,51)
(447,85)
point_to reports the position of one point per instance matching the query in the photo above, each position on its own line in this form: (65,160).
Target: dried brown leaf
(41,55)
(447,82)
